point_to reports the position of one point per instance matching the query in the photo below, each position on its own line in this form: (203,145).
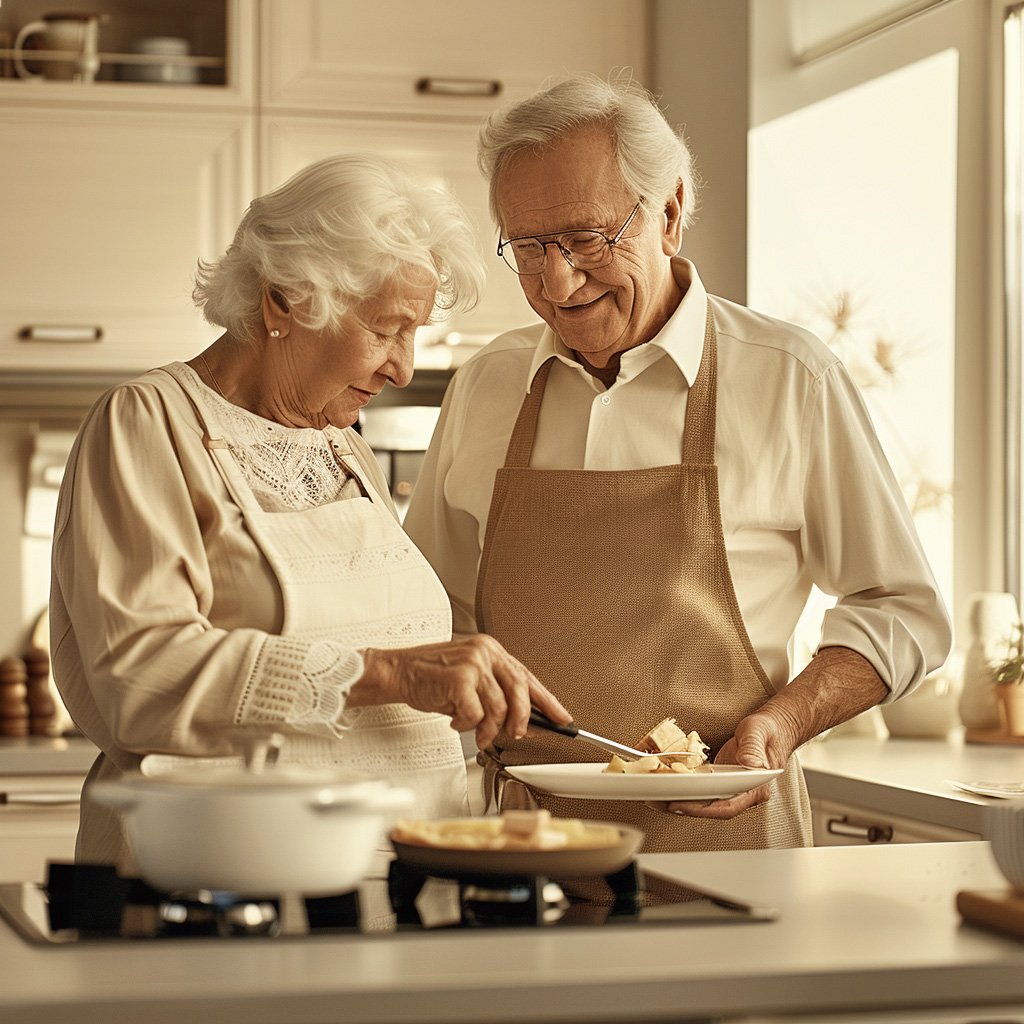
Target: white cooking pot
(286,829)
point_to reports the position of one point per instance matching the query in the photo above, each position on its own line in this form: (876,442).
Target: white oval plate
(589,781)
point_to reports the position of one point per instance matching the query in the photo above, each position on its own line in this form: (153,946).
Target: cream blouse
(166,615)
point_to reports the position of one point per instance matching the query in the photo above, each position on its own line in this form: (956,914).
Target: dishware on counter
(991,617)
(573,731)
(589,781)
(1003,827)
(171,71)
(285,828)
(72,39)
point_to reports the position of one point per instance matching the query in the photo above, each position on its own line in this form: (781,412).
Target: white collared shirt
(807,496)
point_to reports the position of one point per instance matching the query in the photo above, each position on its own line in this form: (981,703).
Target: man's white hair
(652,157)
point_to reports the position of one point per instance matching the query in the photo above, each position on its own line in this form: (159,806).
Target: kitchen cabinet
(839,824)
(112,209)
(40,785)
(444,59)
(412,82)
(38,823)
(890,791)
(216,35)
(121,186)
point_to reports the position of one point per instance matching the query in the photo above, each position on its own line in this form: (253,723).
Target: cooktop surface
(92,903)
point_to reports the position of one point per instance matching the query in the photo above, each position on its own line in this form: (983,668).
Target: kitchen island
(859,929)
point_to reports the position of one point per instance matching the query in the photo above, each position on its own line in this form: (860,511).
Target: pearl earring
(275,333)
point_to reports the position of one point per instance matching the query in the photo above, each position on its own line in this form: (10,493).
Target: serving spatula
(573,731)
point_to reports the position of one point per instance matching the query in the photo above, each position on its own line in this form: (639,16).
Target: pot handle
(395,799)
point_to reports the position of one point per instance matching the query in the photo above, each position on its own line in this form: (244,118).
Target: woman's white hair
(335,233)
(652,157)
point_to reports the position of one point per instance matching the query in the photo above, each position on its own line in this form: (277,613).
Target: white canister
(171,71)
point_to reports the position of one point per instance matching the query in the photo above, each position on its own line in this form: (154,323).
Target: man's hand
(837,685)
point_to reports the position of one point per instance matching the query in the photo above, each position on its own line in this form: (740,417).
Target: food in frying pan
(665,736)
(512,830)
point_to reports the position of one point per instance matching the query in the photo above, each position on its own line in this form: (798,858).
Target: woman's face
(337,371)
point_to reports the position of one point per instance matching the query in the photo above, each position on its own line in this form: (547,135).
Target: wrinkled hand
(761,740)
(473,679)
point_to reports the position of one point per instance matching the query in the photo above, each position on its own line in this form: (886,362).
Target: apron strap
(520,445)
(701,405)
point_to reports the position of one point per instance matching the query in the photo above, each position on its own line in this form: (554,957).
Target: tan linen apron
(614,588)
(347,572)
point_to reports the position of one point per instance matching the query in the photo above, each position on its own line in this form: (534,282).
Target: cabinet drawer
(838,824)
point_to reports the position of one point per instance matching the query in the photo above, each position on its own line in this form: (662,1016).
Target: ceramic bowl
(1004,829)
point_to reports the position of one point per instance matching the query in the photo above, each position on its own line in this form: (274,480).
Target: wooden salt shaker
(42,708)
(14,712)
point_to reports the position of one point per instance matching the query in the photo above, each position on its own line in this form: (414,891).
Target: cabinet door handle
(459,86)
(41,799)
(872,833)
(56,332)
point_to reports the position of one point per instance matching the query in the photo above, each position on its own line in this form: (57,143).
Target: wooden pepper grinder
(42,708)
(14,713)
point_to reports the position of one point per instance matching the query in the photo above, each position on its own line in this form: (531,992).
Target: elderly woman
(227,559)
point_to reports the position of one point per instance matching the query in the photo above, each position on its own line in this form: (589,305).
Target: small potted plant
(1008,676)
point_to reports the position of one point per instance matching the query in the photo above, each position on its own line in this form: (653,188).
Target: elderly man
(636,495)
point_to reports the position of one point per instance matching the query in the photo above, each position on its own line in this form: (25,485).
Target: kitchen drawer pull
(56,332)
(459,86)
(872,833)
(40,799)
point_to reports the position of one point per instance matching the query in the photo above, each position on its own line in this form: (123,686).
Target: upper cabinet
(135,138)
(162,52)
(446,58)
(109,211)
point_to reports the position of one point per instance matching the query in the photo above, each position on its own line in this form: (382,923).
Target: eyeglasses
(583,249)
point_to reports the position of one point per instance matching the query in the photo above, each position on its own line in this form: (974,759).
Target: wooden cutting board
(992,736)
(1001,909)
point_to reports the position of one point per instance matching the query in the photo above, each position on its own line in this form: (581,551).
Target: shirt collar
(681,339)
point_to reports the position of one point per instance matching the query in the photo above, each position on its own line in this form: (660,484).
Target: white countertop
(908,776)
(859,927)
(40,755)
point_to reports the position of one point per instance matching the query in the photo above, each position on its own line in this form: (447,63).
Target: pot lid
(282,776)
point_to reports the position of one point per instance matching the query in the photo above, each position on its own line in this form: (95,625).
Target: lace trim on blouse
(288,468)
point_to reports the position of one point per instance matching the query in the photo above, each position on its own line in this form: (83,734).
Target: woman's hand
(473,679)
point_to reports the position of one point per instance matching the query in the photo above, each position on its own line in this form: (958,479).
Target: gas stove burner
(217,913)
(510,900)
(94,901)
(533,901)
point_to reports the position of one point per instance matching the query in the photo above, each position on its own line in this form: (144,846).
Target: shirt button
(605,400)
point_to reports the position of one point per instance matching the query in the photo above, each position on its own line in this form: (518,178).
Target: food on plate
(665,736)
(512,830)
